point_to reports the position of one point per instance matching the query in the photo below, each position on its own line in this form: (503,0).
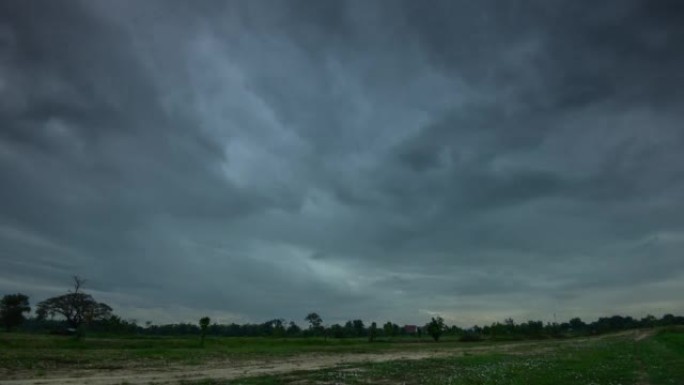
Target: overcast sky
(367,159)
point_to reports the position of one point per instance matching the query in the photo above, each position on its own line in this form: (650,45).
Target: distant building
(410,329)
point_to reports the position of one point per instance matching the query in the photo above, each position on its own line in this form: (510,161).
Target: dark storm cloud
(252,160)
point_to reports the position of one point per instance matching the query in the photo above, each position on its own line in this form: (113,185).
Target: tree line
(73,312)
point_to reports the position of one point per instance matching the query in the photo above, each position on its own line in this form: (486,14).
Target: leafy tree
(510,325)
(359,328)
(577,324)
(372,332)
(534,328)
(349,329)
(315,322)
(388,328)
(668,319)
(12,309)
(76,307)
(273,328)
(204,324)
(278,325)
(337,331)
(293,329)
(648,321)
(435,328)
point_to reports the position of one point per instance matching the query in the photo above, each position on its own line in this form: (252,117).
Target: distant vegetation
(337,353)
(77,310)
(277,328)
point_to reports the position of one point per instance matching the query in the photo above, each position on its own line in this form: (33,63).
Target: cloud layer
(377,160)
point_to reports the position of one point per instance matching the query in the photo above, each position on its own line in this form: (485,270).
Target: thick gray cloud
(377,160)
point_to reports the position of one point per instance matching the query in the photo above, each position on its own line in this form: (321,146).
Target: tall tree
(204,324)
(435,328)
(315,322)
(278,327)
(76,307)
(372,332)
(388,328)
(293,329)
(12,309)
(359,328)
(577,324)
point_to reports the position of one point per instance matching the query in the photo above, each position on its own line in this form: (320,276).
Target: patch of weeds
(662,358)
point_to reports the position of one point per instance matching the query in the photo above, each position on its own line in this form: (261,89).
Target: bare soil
(643,334)
(226,370)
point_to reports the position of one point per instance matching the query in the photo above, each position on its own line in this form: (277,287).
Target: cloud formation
(376,160)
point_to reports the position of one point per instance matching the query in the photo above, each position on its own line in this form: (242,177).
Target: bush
(470,337)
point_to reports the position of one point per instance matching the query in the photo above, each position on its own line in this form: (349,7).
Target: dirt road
(232,370)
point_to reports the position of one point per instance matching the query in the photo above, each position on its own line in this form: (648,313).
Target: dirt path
(642,375)
(228,371)
(643,334)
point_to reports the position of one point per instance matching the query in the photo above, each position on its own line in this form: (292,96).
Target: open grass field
(640,358)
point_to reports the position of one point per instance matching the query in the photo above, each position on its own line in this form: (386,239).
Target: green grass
(662,357)
(658,360)
(606,363)
(44,352)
